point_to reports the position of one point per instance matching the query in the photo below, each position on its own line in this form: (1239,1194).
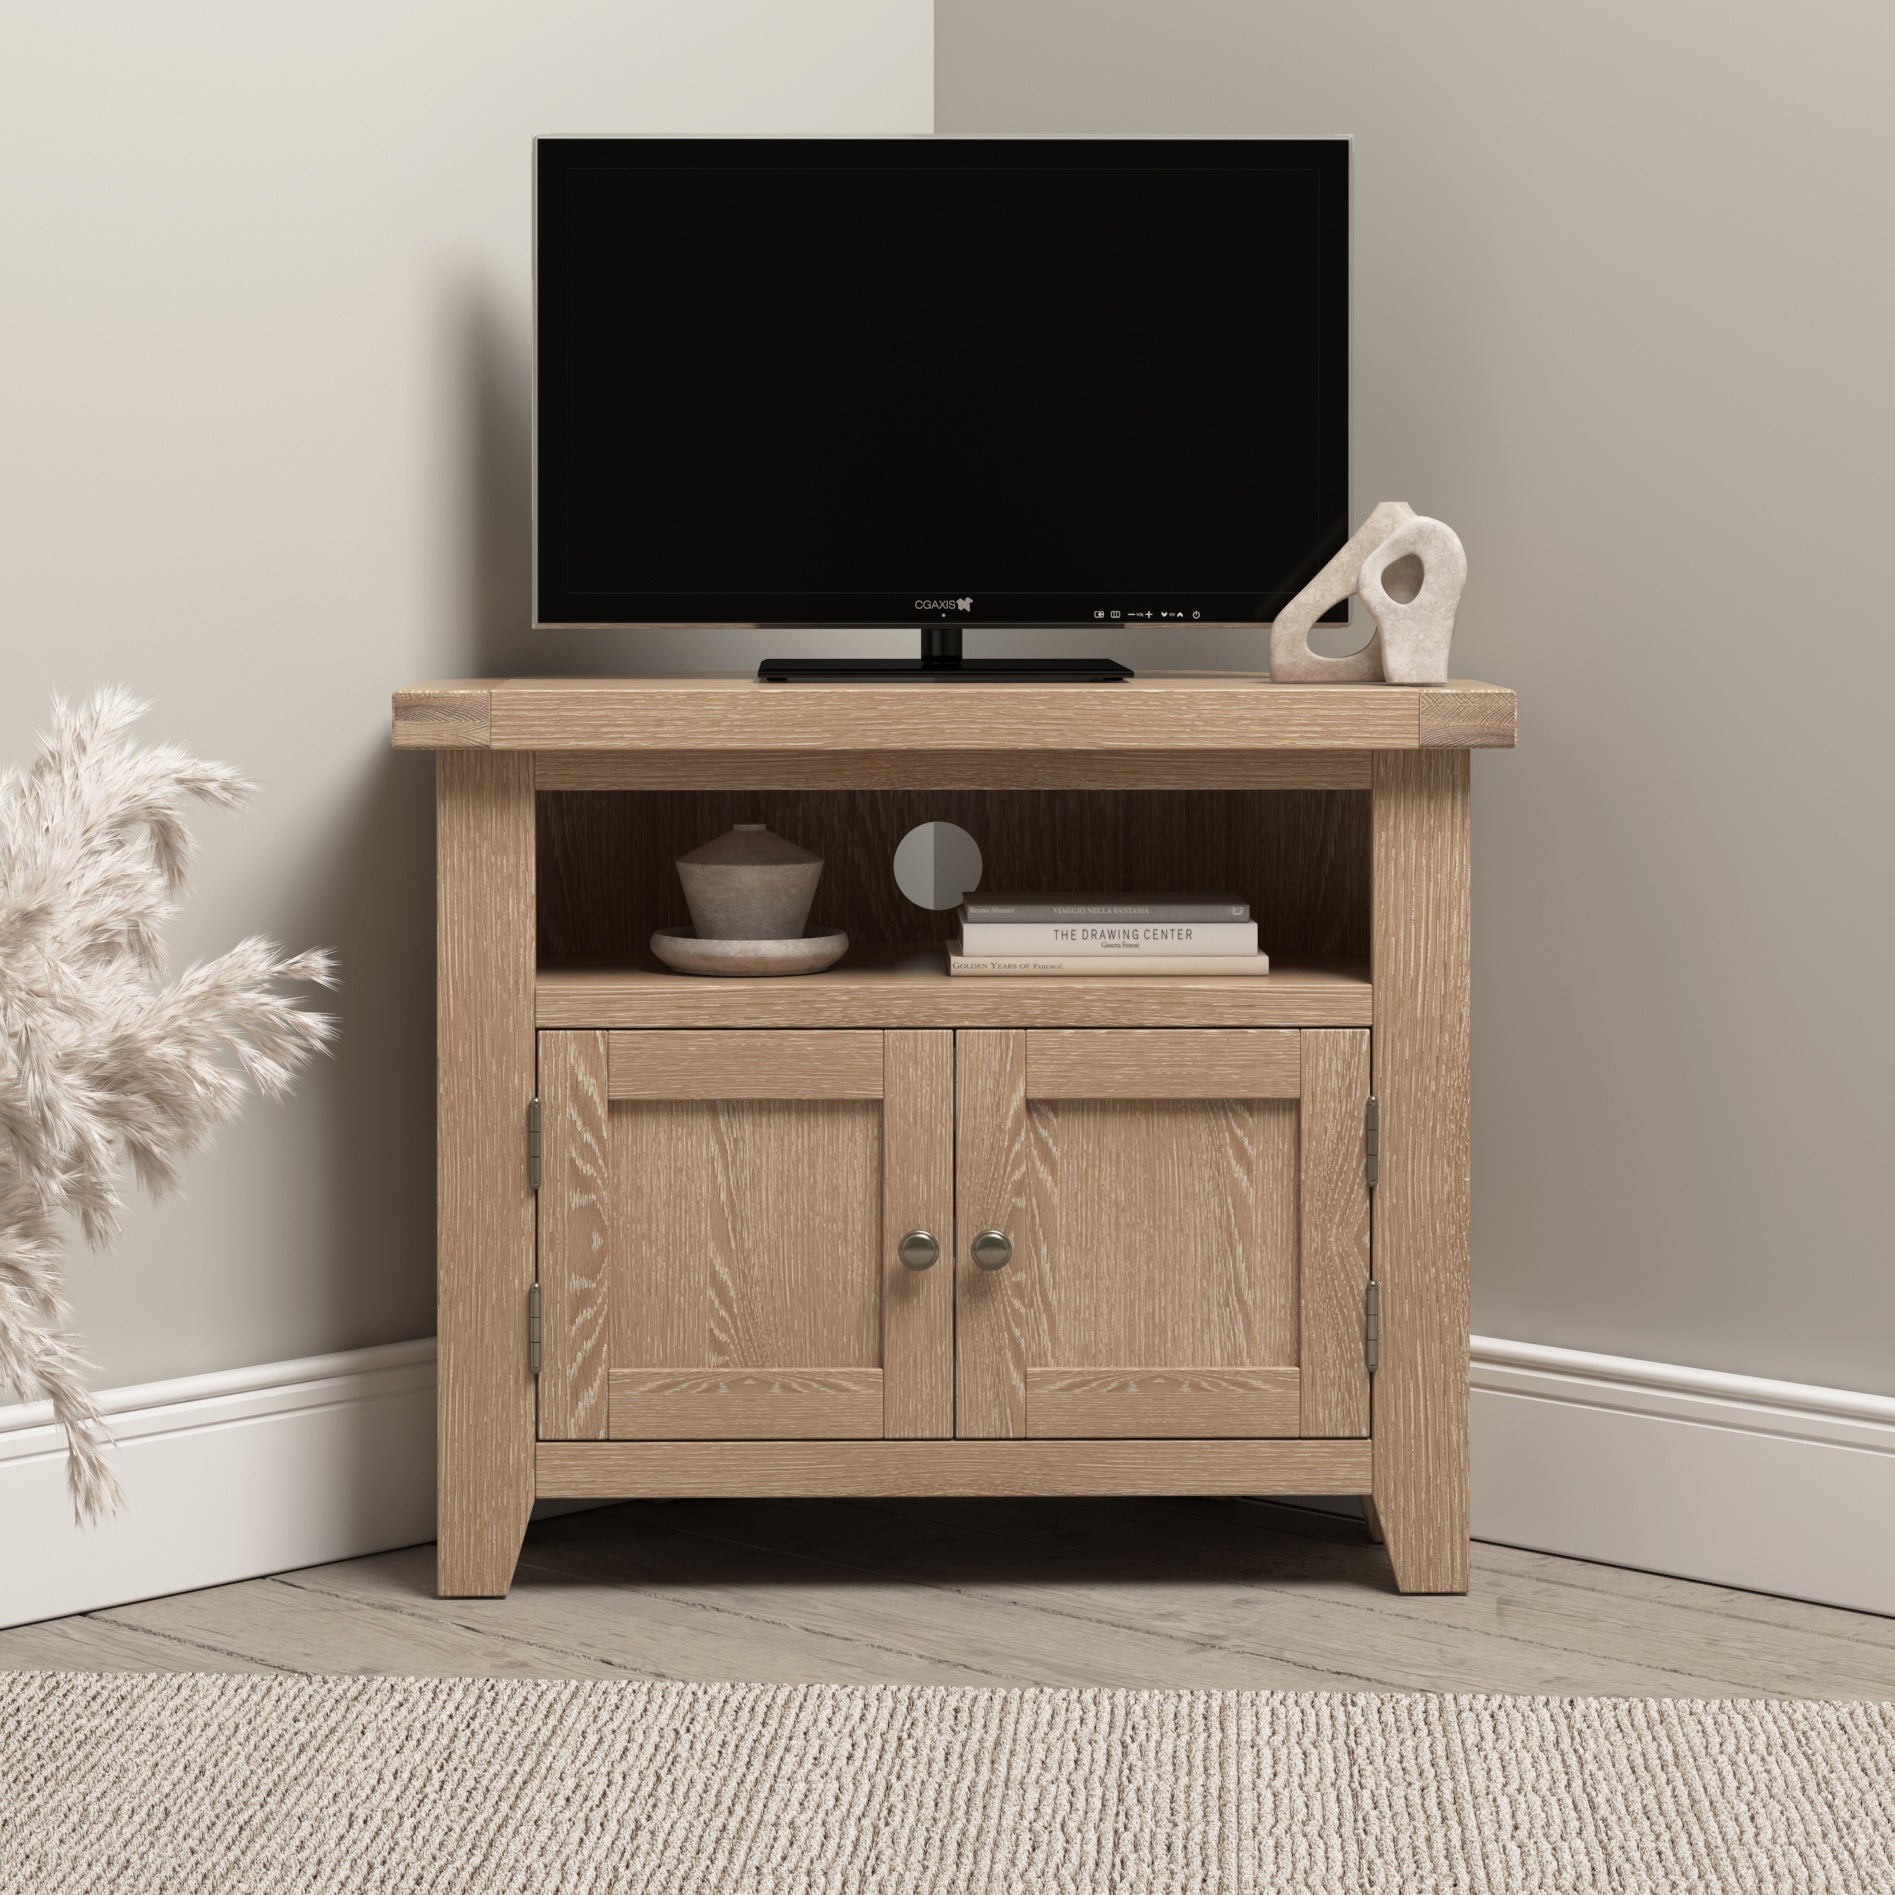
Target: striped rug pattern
(153,1783)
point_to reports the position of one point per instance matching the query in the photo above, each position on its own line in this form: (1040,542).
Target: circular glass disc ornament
(937,865)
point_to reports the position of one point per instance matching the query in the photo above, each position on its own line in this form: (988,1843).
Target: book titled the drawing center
(1108,937)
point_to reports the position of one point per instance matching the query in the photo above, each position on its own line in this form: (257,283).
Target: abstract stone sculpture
(1291,660)
(1414,615)
(1410,571)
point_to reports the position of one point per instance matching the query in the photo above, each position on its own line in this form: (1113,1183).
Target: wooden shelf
(878,986)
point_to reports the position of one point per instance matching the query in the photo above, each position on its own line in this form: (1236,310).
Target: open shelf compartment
(1300,857)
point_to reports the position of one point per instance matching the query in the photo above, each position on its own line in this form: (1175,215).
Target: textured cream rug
(122,1782)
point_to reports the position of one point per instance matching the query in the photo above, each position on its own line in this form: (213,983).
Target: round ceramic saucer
(681,949)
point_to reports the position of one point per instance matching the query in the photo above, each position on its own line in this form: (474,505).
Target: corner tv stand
(941,662)
(882,1230)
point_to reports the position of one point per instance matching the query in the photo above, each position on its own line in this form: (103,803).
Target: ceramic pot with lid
(749,885)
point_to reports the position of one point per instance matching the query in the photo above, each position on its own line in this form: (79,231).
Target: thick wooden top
(1179,710)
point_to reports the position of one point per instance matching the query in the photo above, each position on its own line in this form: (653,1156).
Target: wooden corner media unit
(1189,1236)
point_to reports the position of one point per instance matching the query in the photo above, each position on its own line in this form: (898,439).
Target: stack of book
(1106,934)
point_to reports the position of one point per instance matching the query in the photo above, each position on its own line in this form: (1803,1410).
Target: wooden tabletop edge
(449,714)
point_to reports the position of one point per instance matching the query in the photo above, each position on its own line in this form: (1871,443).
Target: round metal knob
(919,1250)
(992,1249)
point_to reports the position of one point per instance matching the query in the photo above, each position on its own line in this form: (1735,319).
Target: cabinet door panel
(745,1233)
(1163,1234)
(714,1251)
(1156,1187)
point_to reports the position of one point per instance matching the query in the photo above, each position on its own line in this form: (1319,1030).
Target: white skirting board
(1773,1486)
(226,1476)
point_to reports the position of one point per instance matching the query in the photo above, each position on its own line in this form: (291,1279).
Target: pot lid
(748,845)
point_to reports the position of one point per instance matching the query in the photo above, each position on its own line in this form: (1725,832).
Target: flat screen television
(938,382)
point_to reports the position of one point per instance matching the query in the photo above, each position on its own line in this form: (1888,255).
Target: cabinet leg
(1371,1519)
(1420,1052)
(480,1534)
(1423,1522)
(484,933)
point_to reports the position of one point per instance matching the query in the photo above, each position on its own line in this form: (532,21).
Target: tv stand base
(941,663)
(927,671)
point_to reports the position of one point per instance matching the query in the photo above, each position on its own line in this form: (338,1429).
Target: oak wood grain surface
(783,1469)
(453,717)
(1160,1233)
(1177,710)
(745,1404)
(911,987)
(1156,1232)
(575,1209)
(1191,1404)
(1476,716)
(1158,1064)
(1420,1047)
(918,1194)
(951,769)
(1163,710)
(746,1234)
(484,881)
(1334,1198)
(992,1308)
(739,1064)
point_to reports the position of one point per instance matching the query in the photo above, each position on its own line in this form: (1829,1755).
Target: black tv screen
(917,381)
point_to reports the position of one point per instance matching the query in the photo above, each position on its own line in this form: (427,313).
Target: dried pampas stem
(101,1059)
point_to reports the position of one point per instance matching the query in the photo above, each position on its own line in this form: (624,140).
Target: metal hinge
(1372,1134)
(533,1328)
(533,1144)
(1372,1325)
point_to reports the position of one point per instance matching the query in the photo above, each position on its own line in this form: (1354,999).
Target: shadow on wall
(496,379)
(370,894)
(497,386)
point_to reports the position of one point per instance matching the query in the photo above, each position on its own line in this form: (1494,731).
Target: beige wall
(1624,300)
(263,398)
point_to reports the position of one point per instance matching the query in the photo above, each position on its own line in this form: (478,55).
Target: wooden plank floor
(1073,1592)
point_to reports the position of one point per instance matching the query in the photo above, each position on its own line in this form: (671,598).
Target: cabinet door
(719,1214)
(1188,1215)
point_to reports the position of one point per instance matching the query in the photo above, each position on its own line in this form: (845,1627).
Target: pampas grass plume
(103,1060)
